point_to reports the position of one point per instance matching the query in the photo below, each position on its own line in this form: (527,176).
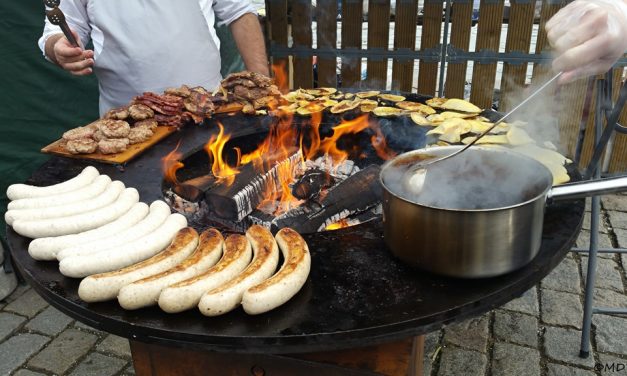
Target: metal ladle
(415,177)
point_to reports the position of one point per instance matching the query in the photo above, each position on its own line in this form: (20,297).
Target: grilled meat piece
(249,109)
(190,116)
(117,113)
(78,133)
(112,146)
(259,79)
(183,91)
(140,112)
(266,102)
(139,134)
(114,128)
(150,123)
(200,90)
(251,94)
(81,146)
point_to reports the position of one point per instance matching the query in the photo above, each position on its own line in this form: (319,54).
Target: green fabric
(230,57)
(38,101)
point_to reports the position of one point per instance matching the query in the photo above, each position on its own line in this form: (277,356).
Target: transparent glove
(588,37)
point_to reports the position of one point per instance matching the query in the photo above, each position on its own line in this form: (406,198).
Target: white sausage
(47,248)
(125,255)
(92,190)
(18,191)
(159,212)
(105,286)
(74,224)
(227,297)
(145,292)
(105,198)
(186,294)
(282,286)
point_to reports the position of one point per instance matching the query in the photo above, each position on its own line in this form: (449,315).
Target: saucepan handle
(588,188)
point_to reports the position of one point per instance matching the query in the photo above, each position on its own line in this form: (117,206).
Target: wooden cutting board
(131,152)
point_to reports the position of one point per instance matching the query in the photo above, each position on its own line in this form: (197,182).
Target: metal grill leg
(584,350)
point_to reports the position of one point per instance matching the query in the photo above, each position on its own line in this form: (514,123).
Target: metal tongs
(414,178)
(56,17)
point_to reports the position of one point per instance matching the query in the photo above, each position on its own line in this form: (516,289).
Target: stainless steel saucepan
(479,215)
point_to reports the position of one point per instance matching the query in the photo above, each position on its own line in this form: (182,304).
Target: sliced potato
(387,111)
(349,96)
(392,97)
(499,139)
(436,102)
(438,118)
(368,105)
(453,104)
(451,135)
(415,107)
(479,127)
(345,105)
(518,136)
(321,91)
(296,95)
(311,108)
(459,125)
(367,94)
(337,96)
(419,119)
(553,160)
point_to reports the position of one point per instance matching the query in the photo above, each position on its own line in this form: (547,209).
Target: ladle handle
(588,189)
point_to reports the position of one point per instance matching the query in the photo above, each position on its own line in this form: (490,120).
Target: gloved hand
(588,36)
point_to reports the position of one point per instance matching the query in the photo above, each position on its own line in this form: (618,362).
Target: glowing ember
(170,164)
(219,167)
(342,223)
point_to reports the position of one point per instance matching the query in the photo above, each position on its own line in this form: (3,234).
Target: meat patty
(149,123)
(113,145)
(78,133)
(114,128)
(182,91)
(98,135)
(81,146)
(117,114)
(139,134)
(140,112)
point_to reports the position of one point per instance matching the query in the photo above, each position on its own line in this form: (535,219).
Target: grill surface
(357,293)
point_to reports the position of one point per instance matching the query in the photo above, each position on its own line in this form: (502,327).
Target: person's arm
(250,43)
(75,60)
(588,37)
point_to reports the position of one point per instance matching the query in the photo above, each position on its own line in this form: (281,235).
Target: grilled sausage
(18,191)
(159,212)
(145,292)
(75,224)
(125,255)
(105,198)
(105,286)
(227,297)
(92,190)
(47,248)
(186,294)
(282,286)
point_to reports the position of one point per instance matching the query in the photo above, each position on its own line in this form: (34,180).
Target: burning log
(237,200)
(311,183)
(194,189)
(357,193)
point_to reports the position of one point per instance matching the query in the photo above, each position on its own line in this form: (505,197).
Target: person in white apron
(151,45)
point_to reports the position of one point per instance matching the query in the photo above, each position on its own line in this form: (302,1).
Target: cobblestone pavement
(536,334)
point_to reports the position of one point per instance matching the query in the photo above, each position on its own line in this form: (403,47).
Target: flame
(342,223)
(329,145)
(219,167)
(379,143)
(280,77)
(171,163)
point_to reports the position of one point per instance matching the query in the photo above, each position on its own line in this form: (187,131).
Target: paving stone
(80,325)
(63,351)
(516,327)
(583,241)
(115,345)
(432,343)
(560,370)
(50,321)
(614,202)
(565,277)
(17,349)
(609,298)
(610,365)
(561,308)
(8,282)
(19,290)
(9,323)
(611,332)
(471,334)
(26,372)
(457,362)
(130,370)
(28,304)
(513,360)
(99,365)
(607,275)
(527,303)
(618,220)
(623,260)
(586,223)
(563,345)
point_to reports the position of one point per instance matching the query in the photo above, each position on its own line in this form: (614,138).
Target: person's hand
(588,37)
(75,60)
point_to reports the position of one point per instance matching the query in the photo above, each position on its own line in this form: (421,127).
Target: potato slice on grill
(499,139)
(452,135)
(415,107)
(297,95)
(310,108)
(392,97)
(481,126)
(367,94)
(438,118)
(387,111)
(368,105)
(419,119)
(453,104)
(321,91)
(345,105)
(458,124)
(553,160)
(518,136)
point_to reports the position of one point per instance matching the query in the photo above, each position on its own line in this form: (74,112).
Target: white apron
(142,49)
